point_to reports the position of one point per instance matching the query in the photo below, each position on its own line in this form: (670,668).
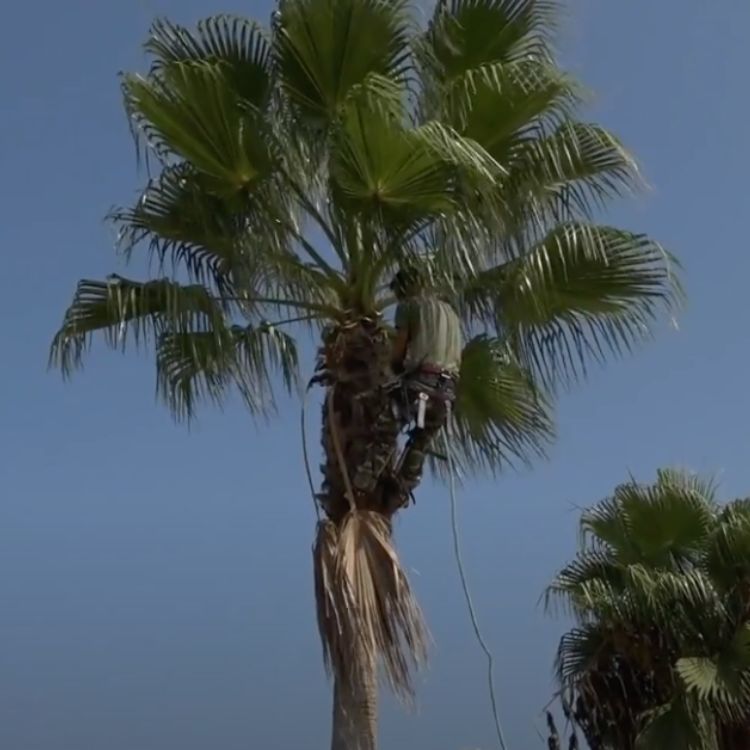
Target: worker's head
(406,283)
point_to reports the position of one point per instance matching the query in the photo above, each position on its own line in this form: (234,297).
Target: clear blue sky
(155,584)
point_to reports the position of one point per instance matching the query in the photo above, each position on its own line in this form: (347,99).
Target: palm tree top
(295,166)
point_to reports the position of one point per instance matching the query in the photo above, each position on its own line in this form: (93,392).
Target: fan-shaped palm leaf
(192,110)
(583,290)
(500,413)
(121,308)
(239,46)
(192,366)
(327,47)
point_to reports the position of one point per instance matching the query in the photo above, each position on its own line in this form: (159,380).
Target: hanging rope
(467,595)
(337,448)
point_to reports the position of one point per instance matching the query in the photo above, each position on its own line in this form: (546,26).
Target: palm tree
(660,591)
(294,168)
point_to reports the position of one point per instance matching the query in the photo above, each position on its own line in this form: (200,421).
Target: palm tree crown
(297,166)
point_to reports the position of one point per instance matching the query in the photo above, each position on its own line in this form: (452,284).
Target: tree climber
(426,356)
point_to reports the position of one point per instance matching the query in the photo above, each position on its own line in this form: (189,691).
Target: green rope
(467,595)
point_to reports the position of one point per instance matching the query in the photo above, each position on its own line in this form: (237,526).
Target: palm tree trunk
(354,543)
(355,712)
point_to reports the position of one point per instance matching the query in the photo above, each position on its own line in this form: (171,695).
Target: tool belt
(432,381)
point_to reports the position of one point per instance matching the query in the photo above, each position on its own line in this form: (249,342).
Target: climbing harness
(427,384)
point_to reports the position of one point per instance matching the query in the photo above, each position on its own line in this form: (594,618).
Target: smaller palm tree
(660,589)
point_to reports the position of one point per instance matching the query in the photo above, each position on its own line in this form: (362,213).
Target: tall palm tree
(294,169)
(660,590)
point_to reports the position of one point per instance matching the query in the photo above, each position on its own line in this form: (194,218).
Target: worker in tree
(426,357)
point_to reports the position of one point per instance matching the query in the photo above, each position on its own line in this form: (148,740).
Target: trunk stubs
(358,358)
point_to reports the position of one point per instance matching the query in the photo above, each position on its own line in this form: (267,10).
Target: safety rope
(337,448)
(467,594)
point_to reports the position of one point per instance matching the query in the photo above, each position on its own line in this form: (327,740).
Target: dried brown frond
(366,608)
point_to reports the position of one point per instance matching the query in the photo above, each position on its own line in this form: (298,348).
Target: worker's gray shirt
(434,332)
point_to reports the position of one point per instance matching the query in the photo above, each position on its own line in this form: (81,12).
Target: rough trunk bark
(355,712)
(358,358)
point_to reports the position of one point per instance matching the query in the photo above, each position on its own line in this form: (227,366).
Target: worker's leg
(415,453)
(380,451)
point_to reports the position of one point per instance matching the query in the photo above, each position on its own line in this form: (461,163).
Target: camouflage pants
(440,392)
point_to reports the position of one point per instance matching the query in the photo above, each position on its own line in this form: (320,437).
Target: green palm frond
(657,523)
(678,725)
(588,565)
(472,161)
(736,510)
(122,309)
(604,527)
(192,366)
(232,243)
(196,366)
(718,683)
(502,105)
(581,649)
(380,166)
(324,48)
(688,484)
(240,46)
(489,70)
(399,179)
(568,175)
(178,217)
(500,414)
(727,558)
(583,291)
(192,110)
(466,34)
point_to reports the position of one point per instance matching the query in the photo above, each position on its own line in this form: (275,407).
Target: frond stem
(314,309)
(319,219)
(289,321)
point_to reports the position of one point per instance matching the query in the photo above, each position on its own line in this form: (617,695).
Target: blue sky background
(155,583)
